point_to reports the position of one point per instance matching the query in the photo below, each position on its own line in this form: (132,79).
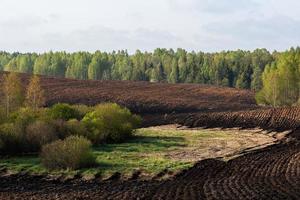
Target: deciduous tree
(35,94)
(13,92)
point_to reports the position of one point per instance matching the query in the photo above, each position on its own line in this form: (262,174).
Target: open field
(265,172)
(154,150)
(145,97)
(269,173)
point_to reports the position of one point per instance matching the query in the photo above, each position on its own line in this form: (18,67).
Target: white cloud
(218,7)
(278,32)
(208,25)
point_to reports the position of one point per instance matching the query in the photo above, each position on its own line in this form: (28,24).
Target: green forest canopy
(275,75)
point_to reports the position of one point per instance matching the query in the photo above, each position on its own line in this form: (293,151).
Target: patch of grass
(148,151)
(24,163)
(145,152)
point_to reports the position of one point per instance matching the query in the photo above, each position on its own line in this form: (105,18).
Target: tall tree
(35,94)
(13,92)
(174,76)
(269,94)
(256,83)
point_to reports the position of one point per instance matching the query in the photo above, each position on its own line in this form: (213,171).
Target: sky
(107,25)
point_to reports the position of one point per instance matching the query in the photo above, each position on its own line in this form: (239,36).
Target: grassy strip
(147,152)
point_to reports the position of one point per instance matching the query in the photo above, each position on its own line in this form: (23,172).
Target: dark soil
(269,173)
(145,97)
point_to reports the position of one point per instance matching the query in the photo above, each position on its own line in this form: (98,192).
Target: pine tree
(13,92)
(35,94)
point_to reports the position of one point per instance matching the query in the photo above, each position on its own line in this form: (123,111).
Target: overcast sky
(200,25)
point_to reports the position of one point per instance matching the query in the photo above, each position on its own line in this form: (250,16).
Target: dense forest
(274,74)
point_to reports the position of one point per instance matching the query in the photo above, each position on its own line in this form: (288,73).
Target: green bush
(63,111)
(25,132)
(15,140)
(82,109)
(72,153)
(75,127)
(12,139)
(38,134)
(110,123)
(23,117)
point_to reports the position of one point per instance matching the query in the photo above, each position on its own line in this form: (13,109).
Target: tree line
(256,70)
(241,69)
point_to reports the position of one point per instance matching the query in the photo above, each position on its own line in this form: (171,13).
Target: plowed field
(269,173)
(145,97)
(270,119)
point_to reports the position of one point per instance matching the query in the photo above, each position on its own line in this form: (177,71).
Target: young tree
(13,92)
(269,94)
(35,94)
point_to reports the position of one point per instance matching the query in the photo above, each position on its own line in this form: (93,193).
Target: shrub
(24,132)
(3,117)
(23,117)
(72,153)
(63,111)
(110,123)
(75,127)
(12,139)
(65,129)
(38,134)
(82,109)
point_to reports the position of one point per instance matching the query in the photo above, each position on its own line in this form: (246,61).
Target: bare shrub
(38,134)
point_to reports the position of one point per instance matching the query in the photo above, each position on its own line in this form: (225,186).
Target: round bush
(72,153)
(38,134)
(110,123)
(63,111)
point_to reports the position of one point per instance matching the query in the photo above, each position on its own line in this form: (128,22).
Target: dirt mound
(145,97)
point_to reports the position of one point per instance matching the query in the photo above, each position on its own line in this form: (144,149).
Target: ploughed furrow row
(271,174)
(189,185)
(271,119)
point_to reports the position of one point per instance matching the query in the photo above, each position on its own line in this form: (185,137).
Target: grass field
(151,151)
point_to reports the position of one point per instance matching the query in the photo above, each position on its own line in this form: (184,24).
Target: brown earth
(278,119)
(272,172)
(145,97)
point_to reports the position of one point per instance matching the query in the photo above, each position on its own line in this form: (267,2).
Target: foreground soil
(269,173)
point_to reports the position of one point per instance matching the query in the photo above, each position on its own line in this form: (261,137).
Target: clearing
(155,152)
